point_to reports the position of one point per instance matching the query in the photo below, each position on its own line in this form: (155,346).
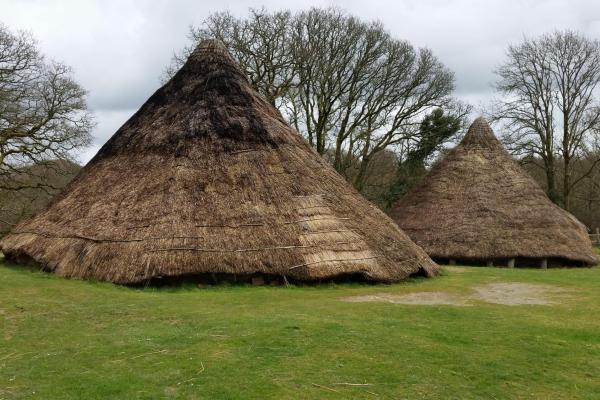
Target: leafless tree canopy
(551,104)
(43,113)
(347,85)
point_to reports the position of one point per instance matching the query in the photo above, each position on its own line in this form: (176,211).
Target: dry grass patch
(417,298)
(506,293)
(516,293)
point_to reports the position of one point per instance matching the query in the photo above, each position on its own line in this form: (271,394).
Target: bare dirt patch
(517,293)
(505,293)
(458,269)
(418,298)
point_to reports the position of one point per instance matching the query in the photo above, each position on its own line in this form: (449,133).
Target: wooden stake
(511,263)
(544,263)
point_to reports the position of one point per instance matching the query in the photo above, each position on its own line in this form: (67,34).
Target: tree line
(379,109)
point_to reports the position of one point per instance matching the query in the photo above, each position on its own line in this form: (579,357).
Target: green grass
(66,339)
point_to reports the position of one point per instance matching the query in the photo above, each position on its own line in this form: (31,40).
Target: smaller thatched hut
(477,205)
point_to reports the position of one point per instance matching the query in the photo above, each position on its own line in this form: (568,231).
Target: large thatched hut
(208,180)
(478,205)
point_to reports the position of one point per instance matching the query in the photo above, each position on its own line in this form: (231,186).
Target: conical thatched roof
(477,204)
(207,178)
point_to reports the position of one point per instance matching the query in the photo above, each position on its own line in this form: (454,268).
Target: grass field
(62,339)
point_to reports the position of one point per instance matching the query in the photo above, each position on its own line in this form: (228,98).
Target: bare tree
(43,112)
(549,107)
(347,85)
(360,91)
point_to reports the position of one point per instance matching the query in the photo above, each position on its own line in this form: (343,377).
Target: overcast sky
(119,48)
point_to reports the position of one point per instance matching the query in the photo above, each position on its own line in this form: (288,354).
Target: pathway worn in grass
(71,339)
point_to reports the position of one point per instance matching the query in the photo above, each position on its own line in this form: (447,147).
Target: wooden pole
(544,263)
(511,263)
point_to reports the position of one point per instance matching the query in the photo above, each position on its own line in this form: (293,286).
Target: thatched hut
(477,205)
(208,180)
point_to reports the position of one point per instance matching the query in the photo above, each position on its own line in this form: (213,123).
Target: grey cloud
(119,49)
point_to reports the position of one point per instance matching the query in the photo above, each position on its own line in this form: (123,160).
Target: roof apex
(213,49)
(480,134)
(213,45)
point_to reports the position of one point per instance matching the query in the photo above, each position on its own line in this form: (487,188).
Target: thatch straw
(207,178)
(478,204)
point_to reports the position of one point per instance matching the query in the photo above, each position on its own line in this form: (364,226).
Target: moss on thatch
(207,178)
(477,204)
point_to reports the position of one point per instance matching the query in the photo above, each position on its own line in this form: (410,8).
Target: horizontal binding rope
(249,250)
(339,260)
(182,248)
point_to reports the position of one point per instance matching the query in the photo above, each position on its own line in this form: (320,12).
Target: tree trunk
(567,183)
(321,136)
(347,160)
(566,160)
(551,180)
(359,180)
(337,161)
